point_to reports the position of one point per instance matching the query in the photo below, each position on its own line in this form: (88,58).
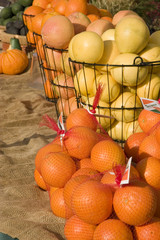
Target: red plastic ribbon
(51,123)
(118,171)
(97,98)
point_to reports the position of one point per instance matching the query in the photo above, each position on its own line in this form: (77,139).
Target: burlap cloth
(25,211)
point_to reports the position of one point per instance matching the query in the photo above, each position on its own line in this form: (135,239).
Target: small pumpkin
(14,60)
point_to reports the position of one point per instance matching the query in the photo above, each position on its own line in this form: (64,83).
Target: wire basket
(57,77)
(120,104)
(27,19)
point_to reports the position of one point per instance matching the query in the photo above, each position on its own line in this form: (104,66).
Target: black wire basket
(27,19)
(56,74)
(70,84)
(120,102)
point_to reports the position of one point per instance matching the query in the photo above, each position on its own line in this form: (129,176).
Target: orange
(148,169)
(57,169)
(85,163)
(70,187)
(93,17)
(135,204)
(107,18)
(49,74)
(37,37)
(75,228)
(58,206)
(79,141)
(105,12)
(92,9)
(29,13)
(48,89)
(51,190)
(94,174)
(81,117)
(47,16)
(53,3)
(131,146)
(33,10)
(39,49)
(112,229)
(41,3)
(30,38)
(48,10)
(39,180)
(61,6)
(106,154)
(157,213)
(134,174)
(158,134)
(36,22)
(68,105)
(92,202)
(147,120)
(42,152)
(149,147)
(76,6)
(110,177)
(149,231)
(103,136)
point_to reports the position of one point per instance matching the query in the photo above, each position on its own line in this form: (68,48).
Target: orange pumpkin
(14,62)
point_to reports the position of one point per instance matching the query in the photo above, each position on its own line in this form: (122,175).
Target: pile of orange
(147,143)
(36,15)
(79,175)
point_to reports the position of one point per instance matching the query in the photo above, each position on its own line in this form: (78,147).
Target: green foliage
(149,10)
(114,5)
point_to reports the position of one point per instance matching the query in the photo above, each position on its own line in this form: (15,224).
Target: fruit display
(90,197)
(122,72)
(145,144)
(84,178)
(101,171)
(80,46)
(77,52)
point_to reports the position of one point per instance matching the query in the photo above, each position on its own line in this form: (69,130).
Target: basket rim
(141,64)
(5,37)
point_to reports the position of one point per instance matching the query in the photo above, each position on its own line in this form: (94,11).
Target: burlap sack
(25,211)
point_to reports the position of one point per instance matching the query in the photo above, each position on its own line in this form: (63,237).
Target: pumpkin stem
(14,44)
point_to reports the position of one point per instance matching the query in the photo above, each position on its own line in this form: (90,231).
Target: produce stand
(78,151)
